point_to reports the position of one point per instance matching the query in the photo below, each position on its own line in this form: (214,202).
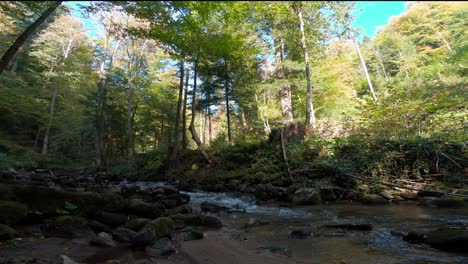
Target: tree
(6,58)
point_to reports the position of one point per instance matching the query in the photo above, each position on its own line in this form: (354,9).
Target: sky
(370,15)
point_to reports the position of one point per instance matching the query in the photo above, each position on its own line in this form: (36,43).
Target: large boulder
(136,224)
(12,212)
(6,232)
(450,238)
(373,199)
(111,219)
(305,196)
(268,191)
(159,228)
(123,235)
(142,209)
(197,220)
(103,239)
(161,247)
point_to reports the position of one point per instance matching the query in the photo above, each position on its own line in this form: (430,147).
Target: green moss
(6,232)
(12,212)
(161,227)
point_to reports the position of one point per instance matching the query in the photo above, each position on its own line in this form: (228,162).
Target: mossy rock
(450,238)
(161,227)
(448,202)
(6,232)
(70,219)
(197,220)
(373,199)
(12,212)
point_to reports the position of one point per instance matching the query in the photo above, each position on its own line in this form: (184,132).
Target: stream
(327,245)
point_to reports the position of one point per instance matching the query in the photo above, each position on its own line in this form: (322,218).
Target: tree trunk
(381,64)
(285,88)
(364,67)
(192,129)
(310,113)
(210,134)
(184,110)
(25,35)
(226,91)
(45,143)
(175,144)
(130,145)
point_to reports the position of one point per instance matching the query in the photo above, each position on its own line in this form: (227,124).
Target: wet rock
(447,202)
(309,196)
(194,235)
(197,220)
(170,203)
(372,199)
(159,228)
(415,237)
(130,190)
(430,193)
(142,209)
(300,233)
(387,195)
(111,219)
(450,238)
(357,227)
(6,232)
(161,247)
(67,260)
(12,212)
(98,227)
(212,208)
(182,209)
(398,233)
(123,235)
(103,239)
(137,224)
(268,191)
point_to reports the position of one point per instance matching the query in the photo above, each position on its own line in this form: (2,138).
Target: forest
(282,102)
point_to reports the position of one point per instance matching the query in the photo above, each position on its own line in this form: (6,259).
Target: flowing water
(327,245)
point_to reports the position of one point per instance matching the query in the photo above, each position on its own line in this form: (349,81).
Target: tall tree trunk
(175,144)
(45,143)
(226,91)
(130,145)
(184,110)
(285,88)
(160,140)
(192,129)
(364,67)
(6,58)
(310,113)
(381,64)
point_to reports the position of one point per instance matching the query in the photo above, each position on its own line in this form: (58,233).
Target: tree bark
(226,91)
(364,67)
(45,143)
(25,35)
(175,144)
(285,89)
(184,110)
(310,113)
(192,129)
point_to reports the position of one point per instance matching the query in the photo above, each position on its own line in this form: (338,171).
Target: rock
(67,227)
(307,196)
(268,192)
(67,260)
(415,237)
(300,233)
(430,193)
(123,235)
(130,190)
(408,195)
(212,208)
(194,235)
(111,219)
(385,194)
(447,202)
(182,209)
(136,224)
(357,227)
(143,209)
(103,240)
(6,232)
(398,233)
(99,227)
(170,203)
(450,238)
(197,220)
(12,212)
(161,247)
(328,194)
(372,199)
(159,228)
